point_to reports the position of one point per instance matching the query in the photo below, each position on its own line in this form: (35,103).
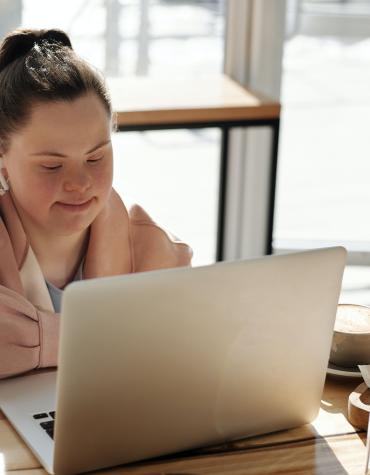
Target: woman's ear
(4,187)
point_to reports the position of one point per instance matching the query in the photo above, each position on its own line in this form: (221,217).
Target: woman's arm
(28,337)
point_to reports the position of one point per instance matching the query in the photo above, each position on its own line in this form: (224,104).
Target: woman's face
(60,165)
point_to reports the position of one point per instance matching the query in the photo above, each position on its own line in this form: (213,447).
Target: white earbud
(4,187)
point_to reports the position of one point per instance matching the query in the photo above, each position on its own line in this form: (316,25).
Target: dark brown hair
(40,66)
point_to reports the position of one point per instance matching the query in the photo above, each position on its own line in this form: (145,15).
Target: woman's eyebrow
(61,155)
(98,146)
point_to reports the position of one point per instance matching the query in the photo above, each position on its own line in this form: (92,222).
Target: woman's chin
(72,227)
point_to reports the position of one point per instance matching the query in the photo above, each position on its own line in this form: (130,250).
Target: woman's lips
(75,207)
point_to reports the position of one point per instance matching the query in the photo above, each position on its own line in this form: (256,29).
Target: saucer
(341,371)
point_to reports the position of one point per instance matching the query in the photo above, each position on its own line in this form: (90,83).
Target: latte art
(352,319)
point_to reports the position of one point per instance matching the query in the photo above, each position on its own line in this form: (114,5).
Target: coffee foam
(352,319)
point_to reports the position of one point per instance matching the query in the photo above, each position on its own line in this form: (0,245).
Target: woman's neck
(59,256)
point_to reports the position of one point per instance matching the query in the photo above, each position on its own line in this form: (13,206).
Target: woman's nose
(78,181)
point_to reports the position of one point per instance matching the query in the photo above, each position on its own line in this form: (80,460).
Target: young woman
(60,219)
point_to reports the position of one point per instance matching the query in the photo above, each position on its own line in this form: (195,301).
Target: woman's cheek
(46,188)
(50,181)
(103,178)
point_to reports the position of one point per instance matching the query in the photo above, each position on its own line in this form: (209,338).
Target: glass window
(323,191)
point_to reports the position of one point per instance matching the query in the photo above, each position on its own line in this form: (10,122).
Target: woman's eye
(51,167)
(94,160)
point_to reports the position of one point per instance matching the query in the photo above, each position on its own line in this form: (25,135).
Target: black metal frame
(225,127)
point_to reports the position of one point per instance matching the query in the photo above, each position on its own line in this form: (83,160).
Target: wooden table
(216,101)
(330,445)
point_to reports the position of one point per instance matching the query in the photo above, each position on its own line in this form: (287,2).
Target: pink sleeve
(153,246)
(28,337)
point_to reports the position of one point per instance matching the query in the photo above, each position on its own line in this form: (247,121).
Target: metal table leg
(272,185)
(222,194)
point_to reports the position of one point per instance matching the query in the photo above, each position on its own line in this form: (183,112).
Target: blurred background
(315,59)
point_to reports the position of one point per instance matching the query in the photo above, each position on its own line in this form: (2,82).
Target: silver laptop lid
(163,361)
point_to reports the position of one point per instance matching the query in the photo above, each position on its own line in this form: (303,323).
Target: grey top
(56,293)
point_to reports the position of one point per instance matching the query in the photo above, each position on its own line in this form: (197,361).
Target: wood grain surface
(359,407)
(337,455)
(329,456)
(139,101)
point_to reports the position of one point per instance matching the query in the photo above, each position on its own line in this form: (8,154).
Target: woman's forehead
(81,112)
(65,125)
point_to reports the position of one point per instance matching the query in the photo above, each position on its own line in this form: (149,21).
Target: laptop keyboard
(47,422)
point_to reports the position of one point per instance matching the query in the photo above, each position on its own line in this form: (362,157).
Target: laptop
(164,361)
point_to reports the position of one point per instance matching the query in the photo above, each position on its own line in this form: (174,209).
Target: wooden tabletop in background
(330,445)
(139,101)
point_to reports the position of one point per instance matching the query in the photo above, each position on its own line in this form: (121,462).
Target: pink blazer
(120,242)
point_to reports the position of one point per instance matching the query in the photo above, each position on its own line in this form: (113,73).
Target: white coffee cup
(351,338)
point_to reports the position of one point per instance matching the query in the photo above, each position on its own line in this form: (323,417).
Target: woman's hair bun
(19,42)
